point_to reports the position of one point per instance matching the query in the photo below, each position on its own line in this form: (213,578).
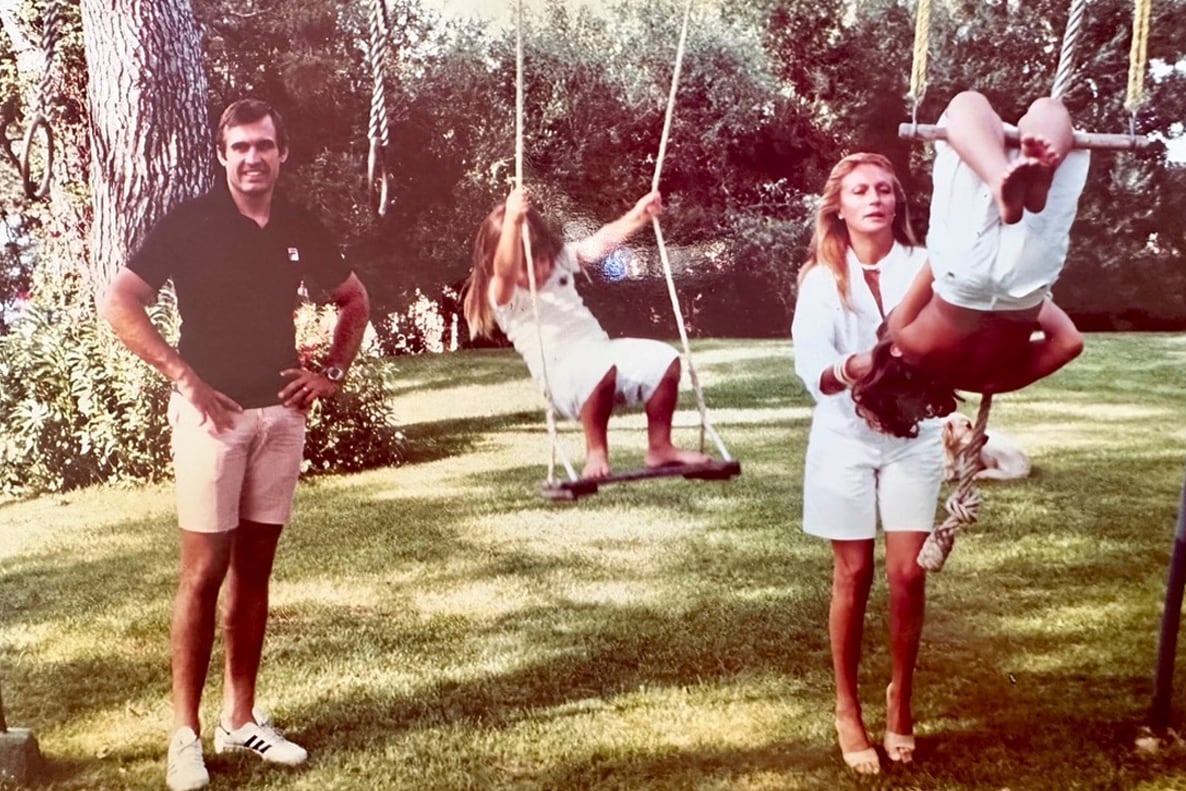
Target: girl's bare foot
(1012,196)
(664,457)
(596,464)
(1042,150)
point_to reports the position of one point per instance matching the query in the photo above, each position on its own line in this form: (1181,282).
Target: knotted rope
(963,504)
(378,132)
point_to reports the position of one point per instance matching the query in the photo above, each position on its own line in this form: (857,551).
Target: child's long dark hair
(545,243)
(895,396)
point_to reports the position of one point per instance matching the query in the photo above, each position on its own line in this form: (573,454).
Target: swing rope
(41,110)
(963,504)
(1064,74)
(705,424)
(1070,47)
(918,66)
(545,385)
(1137,58)
(378,131)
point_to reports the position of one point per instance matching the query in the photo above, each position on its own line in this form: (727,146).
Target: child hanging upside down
(587,372)
(980,317)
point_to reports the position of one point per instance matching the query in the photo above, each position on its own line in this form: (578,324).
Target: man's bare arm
(125,307)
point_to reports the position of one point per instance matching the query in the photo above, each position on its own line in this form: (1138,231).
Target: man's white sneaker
(186,769)
(259,737)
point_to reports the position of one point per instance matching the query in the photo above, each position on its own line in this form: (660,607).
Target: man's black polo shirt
(237,287)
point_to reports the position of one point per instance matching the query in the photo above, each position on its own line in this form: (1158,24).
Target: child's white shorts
(981,263)
(641,363)
(849,480)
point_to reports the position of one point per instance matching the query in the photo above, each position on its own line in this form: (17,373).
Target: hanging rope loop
(39,126)
(378,42)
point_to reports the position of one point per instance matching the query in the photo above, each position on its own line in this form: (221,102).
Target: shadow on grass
(442,439)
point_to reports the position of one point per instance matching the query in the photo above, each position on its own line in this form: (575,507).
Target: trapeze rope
(1137,56)
(918,66)
(1070,47)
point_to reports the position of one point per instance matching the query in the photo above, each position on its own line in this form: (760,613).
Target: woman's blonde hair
(546,243)
(830,240)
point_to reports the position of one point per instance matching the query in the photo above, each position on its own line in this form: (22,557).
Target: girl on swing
(588,372)
(979,317)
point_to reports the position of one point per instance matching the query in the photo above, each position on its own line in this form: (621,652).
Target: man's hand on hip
(305,388)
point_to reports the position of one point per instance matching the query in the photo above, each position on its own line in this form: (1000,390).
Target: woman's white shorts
(641,364)
(849,481)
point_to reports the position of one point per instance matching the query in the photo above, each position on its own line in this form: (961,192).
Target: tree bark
(150,130)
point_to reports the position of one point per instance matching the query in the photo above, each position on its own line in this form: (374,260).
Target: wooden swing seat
(1098,140)
(581,487)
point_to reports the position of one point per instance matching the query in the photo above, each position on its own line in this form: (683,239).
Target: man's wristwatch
(333,373)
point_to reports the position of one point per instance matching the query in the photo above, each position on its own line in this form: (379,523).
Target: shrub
(355,430)
(75,406)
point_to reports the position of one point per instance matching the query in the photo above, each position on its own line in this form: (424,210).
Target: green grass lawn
(440,626)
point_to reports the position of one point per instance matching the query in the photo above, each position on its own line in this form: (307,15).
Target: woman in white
(862,260)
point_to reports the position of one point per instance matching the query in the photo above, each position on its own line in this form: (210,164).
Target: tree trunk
(150,130)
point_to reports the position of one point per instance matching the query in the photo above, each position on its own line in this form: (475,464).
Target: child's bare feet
(1015,186)
(664,457)
(596,464)
(1041,149)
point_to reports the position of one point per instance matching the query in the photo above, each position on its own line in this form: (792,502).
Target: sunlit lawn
(440,626)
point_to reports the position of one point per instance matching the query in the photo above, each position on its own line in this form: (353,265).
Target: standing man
(237,257)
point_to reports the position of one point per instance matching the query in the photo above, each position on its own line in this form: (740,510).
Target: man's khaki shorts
(246,473)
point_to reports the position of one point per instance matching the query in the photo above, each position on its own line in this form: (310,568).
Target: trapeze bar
(1101,140)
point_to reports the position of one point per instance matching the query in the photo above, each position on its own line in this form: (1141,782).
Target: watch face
(334,373)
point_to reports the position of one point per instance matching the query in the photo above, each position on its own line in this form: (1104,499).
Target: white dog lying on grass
(1001,458)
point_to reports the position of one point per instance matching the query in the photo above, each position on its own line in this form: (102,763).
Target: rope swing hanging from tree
(963,505)
(376,50)
(37,187)
(576,487)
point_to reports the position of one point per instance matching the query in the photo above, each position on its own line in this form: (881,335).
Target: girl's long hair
(895,396)
(830,240)
(546,243)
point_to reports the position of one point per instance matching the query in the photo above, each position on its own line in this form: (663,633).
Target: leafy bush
(75,406)
(355,430)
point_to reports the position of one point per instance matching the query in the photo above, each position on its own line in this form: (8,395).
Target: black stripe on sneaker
(257,744)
